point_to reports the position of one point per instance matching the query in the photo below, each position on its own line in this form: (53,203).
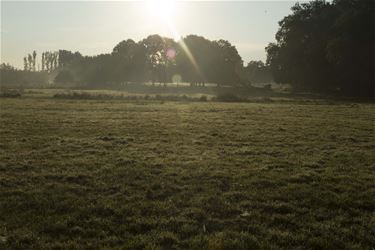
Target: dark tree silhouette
(34,60)
(195,59)
(30,62)
(129,59)
(64,76)
(351,50)
(12,76)
(25,66)
(326,47)
(200,60)
(229,65)
(157,59)
(258,72)
(55,59)
(66,58)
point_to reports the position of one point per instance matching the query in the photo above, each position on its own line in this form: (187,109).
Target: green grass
(204,175)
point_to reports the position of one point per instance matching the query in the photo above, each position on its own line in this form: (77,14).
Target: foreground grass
(115,174)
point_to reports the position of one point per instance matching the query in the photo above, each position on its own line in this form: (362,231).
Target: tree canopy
(326,47)
(158,59)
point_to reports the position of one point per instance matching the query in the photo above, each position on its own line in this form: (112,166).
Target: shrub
(267,87)
(10,93)
(229,97)
(203,98)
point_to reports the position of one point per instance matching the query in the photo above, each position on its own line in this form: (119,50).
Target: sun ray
(165,11)
(183,45)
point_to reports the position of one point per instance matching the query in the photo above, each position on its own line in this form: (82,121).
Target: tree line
(323,47)
(49,61)
(155,59)
(11,76)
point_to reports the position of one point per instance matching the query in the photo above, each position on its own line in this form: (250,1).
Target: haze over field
(96,27)
(187,125)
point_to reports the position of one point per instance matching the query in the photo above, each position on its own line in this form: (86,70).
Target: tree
(43,62)
(157,57)
(12,76)
(30,62)
(200,60)
(46,61)
(34,60)
(66,58)
(50,61)
(229,65)
(25,66)
(298,57)
(55,59)
(64,76)
(95,70)
(326,47)
(351,50)
(194,59)
(129,60)
(258,72)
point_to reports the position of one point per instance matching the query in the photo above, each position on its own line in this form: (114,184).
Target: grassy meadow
(150,174)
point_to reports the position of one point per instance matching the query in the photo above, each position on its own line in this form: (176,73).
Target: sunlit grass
(114,174)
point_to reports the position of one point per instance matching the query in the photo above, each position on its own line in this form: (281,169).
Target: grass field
(176,175)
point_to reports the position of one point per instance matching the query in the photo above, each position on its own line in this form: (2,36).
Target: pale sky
(93,27)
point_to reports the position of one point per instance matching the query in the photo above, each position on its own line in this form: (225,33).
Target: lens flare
(165,11)
(171,54)
(176,78)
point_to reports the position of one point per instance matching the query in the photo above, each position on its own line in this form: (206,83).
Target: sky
(95,27)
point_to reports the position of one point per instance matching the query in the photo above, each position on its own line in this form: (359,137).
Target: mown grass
(201,175)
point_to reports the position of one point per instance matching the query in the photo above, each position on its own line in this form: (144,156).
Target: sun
(162,15)
(163,10)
